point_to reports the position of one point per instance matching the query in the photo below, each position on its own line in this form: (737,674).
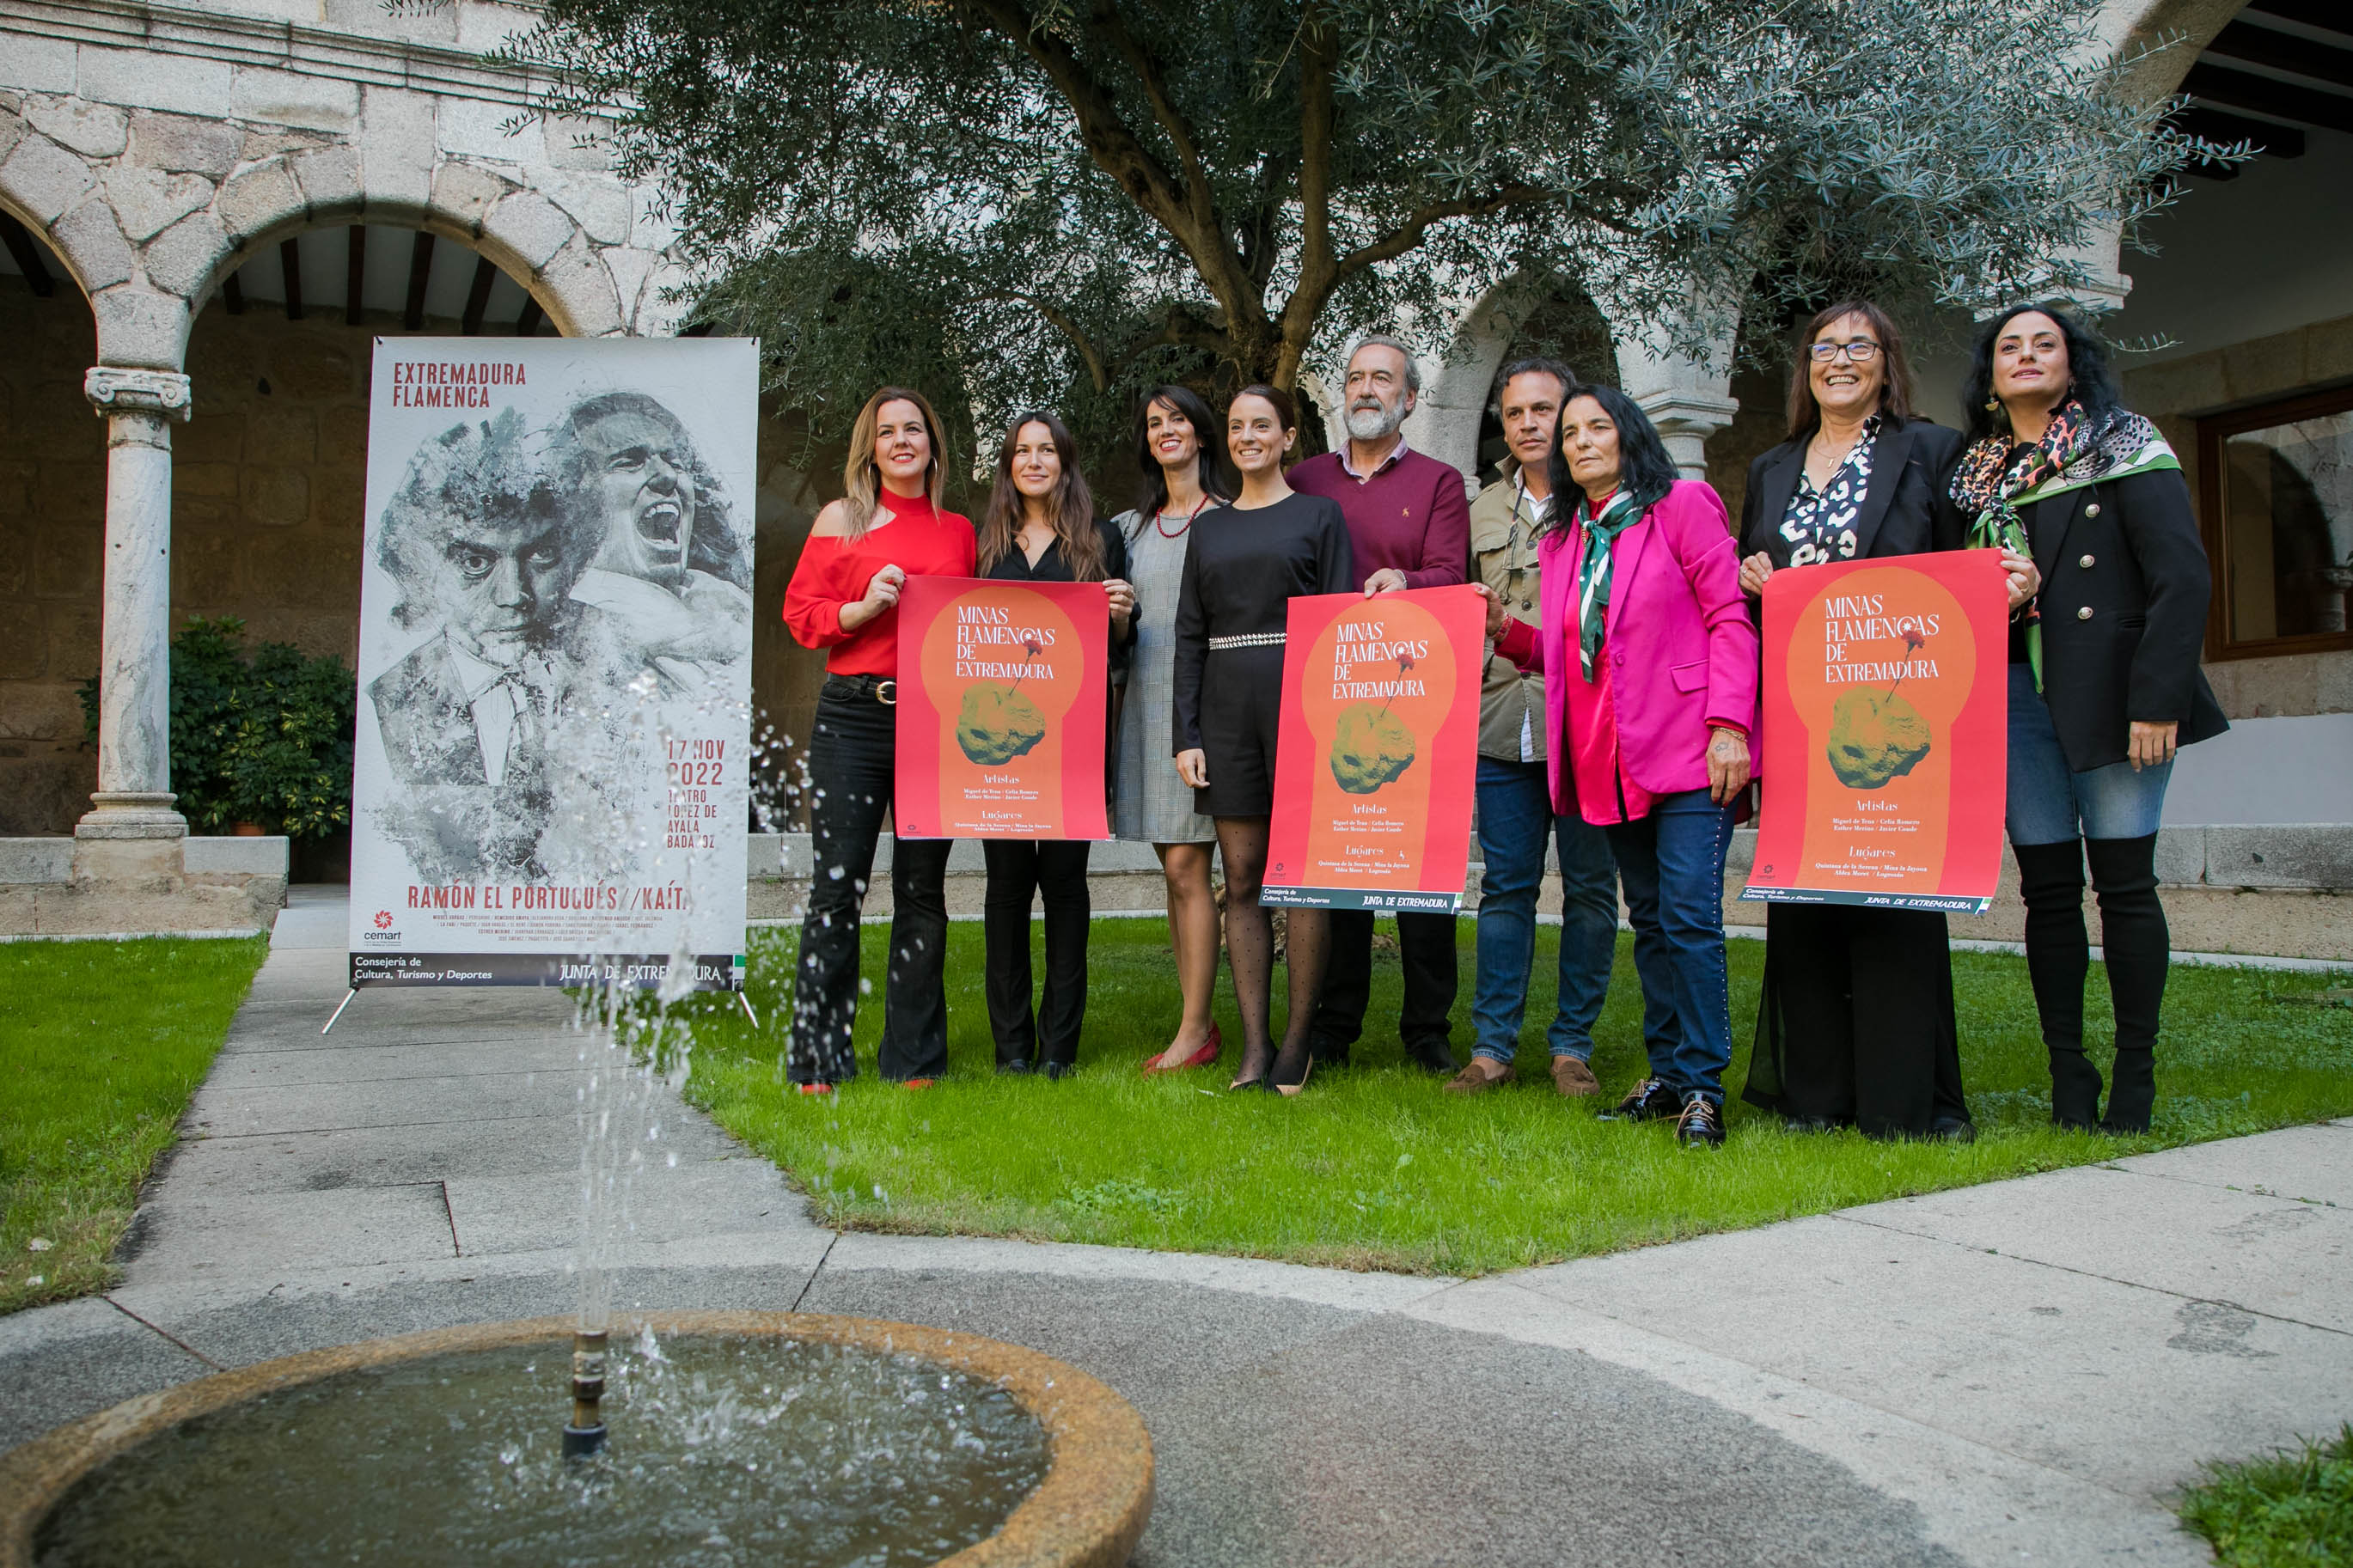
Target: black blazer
(2125,586)
(1052,568)
(1906,510)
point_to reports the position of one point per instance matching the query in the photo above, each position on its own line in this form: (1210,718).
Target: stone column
(1688,400)
(133,801)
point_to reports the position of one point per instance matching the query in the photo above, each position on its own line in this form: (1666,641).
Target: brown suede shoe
(1483,1073)
(1574,1078)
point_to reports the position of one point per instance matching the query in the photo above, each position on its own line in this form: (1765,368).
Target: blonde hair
(861,477)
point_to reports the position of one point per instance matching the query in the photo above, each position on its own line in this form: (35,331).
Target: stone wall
(52,517)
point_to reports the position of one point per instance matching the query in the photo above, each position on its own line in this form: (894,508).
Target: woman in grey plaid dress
(1182,459)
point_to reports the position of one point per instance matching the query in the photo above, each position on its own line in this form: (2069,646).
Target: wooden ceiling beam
(354,273)
(478,296)
(2284,52)
(2227,89)
(2329,16)
(290,257)
(420,274)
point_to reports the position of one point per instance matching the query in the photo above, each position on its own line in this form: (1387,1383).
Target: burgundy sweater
(1413,515)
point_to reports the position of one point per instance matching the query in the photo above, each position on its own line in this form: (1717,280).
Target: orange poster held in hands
(1376,761)
(1887,737)
(1003,705)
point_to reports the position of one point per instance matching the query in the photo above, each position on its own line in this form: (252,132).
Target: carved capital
(1680,412)
(116,389)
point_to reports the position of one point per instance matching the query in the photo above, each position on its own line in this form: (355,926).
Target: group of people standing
(1619,710)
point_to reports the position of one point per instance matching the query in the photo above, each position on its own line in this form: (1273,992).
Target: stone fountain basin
(1089,1512)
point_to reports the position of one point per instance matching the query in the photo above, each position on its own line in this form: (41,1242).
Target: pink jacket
(1681,648)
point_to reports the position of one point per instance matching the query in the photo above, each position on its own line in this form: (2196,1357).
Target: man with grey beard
(1409,522)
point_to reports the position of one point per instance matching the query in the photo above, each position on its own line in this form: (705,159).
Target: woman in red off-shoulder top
(844,596)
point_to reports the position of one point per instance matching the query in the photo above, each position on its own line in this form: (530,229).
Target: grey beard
(1368,425)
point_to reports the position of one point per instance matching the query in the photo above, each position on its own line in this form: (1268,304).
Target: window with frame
(2277,483)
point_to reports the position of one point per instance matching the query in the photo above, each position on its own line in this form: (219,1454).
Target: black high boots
(2138,948)
(2058,957)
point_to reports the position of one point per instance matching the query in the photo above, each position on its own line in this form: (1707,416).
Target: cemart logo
(383,920)
(383,935)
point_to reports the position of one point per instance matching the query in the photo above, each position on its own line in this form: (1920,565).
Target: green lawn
(101,1046)
(1376,1168)
(2290,1510)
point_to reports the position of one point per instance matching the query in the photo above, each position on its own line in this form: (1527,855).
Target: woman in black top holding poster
(1855,1024)
(1244,564)
(1040,527)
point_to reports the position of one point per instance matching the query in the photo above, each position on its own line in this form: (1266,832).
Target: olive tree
(1060,199)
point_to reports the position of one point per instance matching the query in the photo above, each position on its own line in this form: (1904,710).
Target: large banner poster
(1886,733)
(1376,756)
(550,783)
(1004,701)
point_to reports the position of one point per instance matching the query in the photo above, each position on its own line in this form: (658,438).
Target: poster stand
(743,1000)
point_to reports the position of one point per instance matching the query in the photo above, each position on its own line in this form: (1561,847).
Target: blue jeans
(1514,819)
(2048,804)
(1672,863)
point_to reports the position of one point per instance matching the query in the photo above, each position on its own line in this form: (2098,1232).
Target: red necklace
(1160,524)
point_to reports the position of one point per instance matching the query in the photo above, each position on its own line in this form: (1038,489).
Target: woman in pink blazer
(1651,693)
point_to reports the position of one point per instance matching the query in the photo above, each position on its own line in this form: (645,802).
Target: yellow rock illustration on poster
(1370,747)
(1874,737)
(996,724)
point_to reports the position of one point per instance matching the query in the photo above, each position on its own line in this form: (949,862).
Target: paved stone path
(2007,1373)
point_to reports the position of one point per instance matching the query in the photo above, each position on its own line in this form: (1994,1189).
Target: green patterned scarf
(1996,480)
(1594,570)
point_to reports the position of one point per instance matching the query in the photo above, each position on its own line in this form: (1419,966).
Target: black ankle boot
(2138,947)
(2058,957)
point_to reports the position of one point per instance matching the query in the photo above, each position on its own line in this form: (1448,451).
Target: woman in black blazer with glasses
(1855,1027)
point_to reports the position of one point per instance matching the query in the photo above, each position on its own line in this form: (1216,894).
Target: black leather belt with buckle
(874,687)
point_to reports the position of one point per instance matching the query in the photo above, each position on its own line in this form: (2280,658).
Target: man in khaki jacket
(1515,814)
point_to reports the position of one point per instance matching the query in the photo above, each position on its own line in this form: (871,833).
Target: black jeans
(1426,946)
(851,758)
(1057,869)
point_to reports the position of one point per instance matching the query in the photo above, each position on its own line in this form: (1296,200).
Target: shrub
(264,737)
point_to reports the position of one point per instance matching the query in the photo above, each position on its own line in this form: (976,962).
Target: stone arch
(2144,25)
(55,192)
(526,234)
(520,230)
(1447,424)
(149,212)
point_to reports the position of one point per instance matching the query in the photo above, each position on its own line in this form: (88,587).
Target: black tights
(1249,953)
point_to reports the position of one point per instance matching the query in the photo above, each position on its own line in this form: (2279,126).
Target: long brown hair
(1073,504)
(1894,378)
(861,478)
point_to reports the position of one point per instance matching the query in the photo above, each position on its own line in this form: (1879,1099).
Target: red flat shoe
(814,1088)
(1205,1057)
(918,1083)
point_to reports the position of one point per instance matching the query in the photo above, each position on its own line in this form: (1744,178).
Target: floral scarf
(1995,479)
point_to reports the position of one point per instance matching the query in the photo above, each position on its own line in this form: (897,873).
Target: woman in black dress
(1855,1025)
(1243,566)
(1040,527)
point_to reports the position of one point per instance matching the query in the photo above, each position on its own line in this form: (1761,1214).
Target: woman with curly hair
(2104,677)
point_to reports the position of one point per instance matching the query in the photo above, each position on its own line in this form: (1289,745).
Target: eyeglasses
(1862,351)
